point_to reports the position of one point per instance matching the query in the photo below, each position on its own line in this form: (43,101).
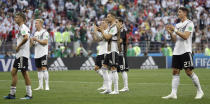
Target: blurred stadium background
(69,22)
(72,47)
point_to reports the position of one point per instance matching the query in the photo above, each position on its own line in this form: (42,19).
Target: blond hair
(40,21)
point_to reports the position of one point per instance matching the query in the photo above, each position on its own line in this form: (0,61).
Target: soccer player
(40,42)
(112,58)
(182,34)
(123,65)
(97,36)
(22,56)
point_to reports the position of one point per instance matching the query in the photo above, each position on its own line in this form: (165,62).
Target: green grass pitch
(79,87)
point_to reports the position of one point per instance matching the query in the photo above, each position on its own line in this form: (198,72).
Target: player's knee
(43,68)
(113,68)
(104,65)
(175,72)
(39,69)
(13,73)
(96,68)
(188,72)
(24,72)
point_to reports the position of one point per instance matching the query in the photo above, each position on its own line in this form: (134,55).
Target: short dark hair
(184,10)
(112,13)
(120,19)
(22,15)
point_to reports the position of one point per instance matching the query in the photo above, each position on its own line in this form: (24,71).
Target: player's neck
(113,22)
(20,24)
(38,29)
(183,19)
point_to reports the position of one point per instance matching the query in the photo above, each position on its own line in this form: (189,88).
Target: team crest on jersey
(190,28)
(112,30)
(23,32)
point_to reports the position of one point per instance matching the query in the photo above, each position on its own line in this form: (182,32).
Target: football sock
(106,78)
(28,90)
(110,79)
(125,79)
(175,84)
(115,80)
(40,77)
(12,90)
(46,77)
(196,82)
(99,71)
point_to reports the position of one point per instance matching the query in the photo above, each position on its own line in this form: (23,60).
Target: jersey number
(187,64)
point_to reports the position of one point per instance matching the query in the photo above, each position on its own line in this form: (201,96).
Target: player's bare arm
(25,39)
(42,42)
(106,36)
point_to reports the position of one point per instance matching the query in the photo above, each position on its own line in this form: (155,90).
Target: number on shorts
(19,66)
(44,62)
(187,64)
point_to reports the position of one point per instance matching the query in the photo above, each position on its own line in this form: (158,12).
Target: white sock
(40,77)
(46,77)
(99,71)
(106,78)
(196,82)
(28,90)
(115,80)
(175,84)
(125,79)
(110,79)
(104,85)
(12,90)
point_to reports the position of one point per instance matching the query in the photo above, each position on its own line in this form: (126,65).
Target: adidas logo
(89,64)
(149,64)
(58,65)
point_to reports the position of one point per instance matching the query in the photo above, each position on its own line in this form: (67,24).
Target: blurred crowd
(69,23)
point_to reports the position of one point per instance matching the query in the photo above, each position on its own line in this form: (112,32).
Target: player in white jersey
(22,56)
(112,57)
(40,42)
(102,51)
(182,55)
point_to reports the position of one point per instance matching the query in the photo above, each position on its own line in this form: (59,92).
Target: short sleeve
(113,30)
(46,35)
(24,31)
(189,27)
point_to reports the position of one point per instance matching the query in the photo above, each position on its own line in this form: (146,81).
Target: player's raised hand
(34,39)
(172,27)
(95,27)
(100,29)
(169,29)
(119,25)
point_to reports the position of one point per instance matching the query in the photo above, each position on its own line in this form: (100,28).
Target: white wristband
(175,30)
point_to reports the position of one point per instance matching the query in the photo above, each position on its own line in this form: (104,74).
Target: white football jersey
(102,44)
(182,46)
(25,48)
(41,50)
(113,31)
